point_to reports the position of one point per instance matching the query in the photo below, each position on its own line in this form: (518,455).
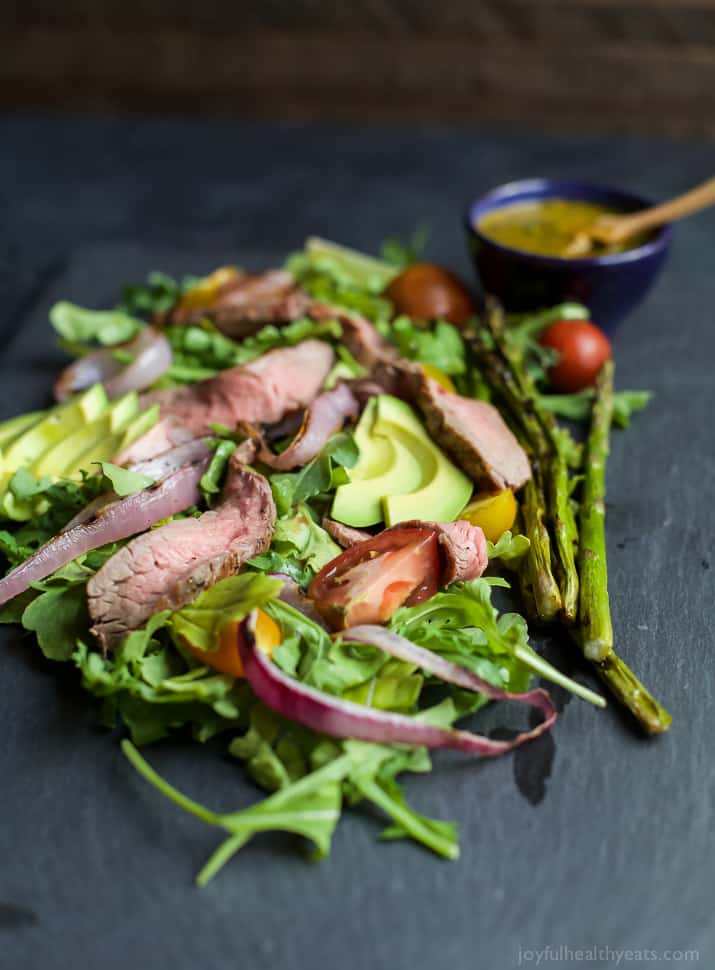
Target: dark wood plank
(585,64)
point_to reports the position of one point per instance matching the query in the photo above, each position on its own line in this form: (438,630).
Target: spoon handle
(696,199)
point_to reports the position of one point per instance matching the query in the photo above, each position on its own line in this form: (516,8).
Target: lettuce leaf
(123,481)
(77,325)
(510,549)
(440,344)
(577,406)
(200,350)
(227,601)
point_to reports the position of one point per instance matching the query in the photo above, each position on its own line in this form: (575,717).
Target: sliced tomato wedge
(372,579)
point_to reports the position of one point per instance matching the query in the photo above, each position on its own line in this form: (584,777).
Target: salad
(283,508)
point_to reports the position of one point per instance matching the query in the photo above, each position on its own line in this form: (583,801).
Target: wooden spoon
(609,230)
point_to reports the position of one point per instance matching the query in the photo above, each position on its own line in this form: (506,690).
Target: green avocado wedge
(12,429)
(444,490)
(384,466)
(53,429)
(139,425)
(401,474)
(93,442)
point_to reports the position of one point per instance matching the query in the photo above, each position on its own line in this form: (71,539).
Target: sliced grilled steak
(169,566)
(249,302)
(345,535)
(361,338)
(475,435)
(262,391)
(464,550)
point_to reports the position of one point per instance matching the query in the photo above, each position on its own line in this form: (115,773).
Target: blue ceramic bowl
(610,286)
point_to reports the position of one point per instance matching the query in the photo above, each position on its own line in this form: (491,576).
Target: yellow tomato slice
(203,294)
(226,658)
(494,514)
(444,380)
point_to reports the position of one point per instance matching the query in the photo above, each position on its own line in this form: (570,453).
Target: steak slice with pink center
(476,436)
(169,566)
(260,392)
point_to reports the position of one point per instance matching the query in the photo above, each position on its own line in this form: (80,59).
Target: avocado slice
(139,425)
(93,443)
(360,503)
(12,429)
(61,422)
(376,454)
(387,466)
(444,490)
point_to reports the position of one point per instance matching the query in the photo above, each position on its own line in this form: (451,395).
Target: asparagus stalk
(594,632)
(536,570)
(595,627)
(549,445)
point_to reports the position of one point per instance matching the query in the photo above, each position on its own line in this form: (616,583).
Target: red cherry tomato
(582,349)
(430,292)
(372,579)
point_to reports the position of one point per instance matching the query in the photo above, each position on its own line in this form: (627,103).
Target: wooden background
(590,64)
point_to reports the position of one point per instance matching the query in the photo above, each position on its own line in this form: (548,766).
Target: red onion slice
(323,418)
(152,357)
(173,459)
(157,468)
(452,673)
(116,521)
(344,719)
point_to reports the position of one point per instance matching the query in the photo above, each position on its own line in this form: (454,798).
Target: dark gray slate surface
(95,868)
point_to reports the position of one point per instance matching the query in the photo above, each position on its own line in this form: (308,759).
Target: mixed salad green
(161,678)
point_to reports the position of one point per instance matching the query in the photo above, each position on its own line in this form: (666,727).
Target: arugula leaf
(58,617)
(346,267)
(509,548)
(441,837)
(24,486)
(403,254)
(123,481)
(200,350)
(463,625)
(227,601)
(158,295)
(327,280)
(323,474)
(106,327)
(577,406)
(440,344)
(311,805)
(148,684)
(300,536)
(212,477)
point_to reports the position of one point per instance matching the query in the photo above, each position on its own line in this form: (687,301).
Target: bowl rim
(500,195)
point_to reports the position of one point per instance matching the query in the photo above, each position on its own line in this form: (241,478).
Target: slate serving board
(593,837)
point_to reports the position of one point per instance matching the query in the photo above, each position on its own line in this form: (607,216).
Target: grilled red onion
(173,459)
(452,673)
(152,357)
(323,418)
(117,520)
(345,719)
(157,468)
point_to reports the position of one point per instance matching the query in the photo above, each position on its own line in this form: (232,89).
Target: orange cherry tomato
(582,349)
(444,380)
(430,292)
(226,658)
(205,292)
(493,513)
